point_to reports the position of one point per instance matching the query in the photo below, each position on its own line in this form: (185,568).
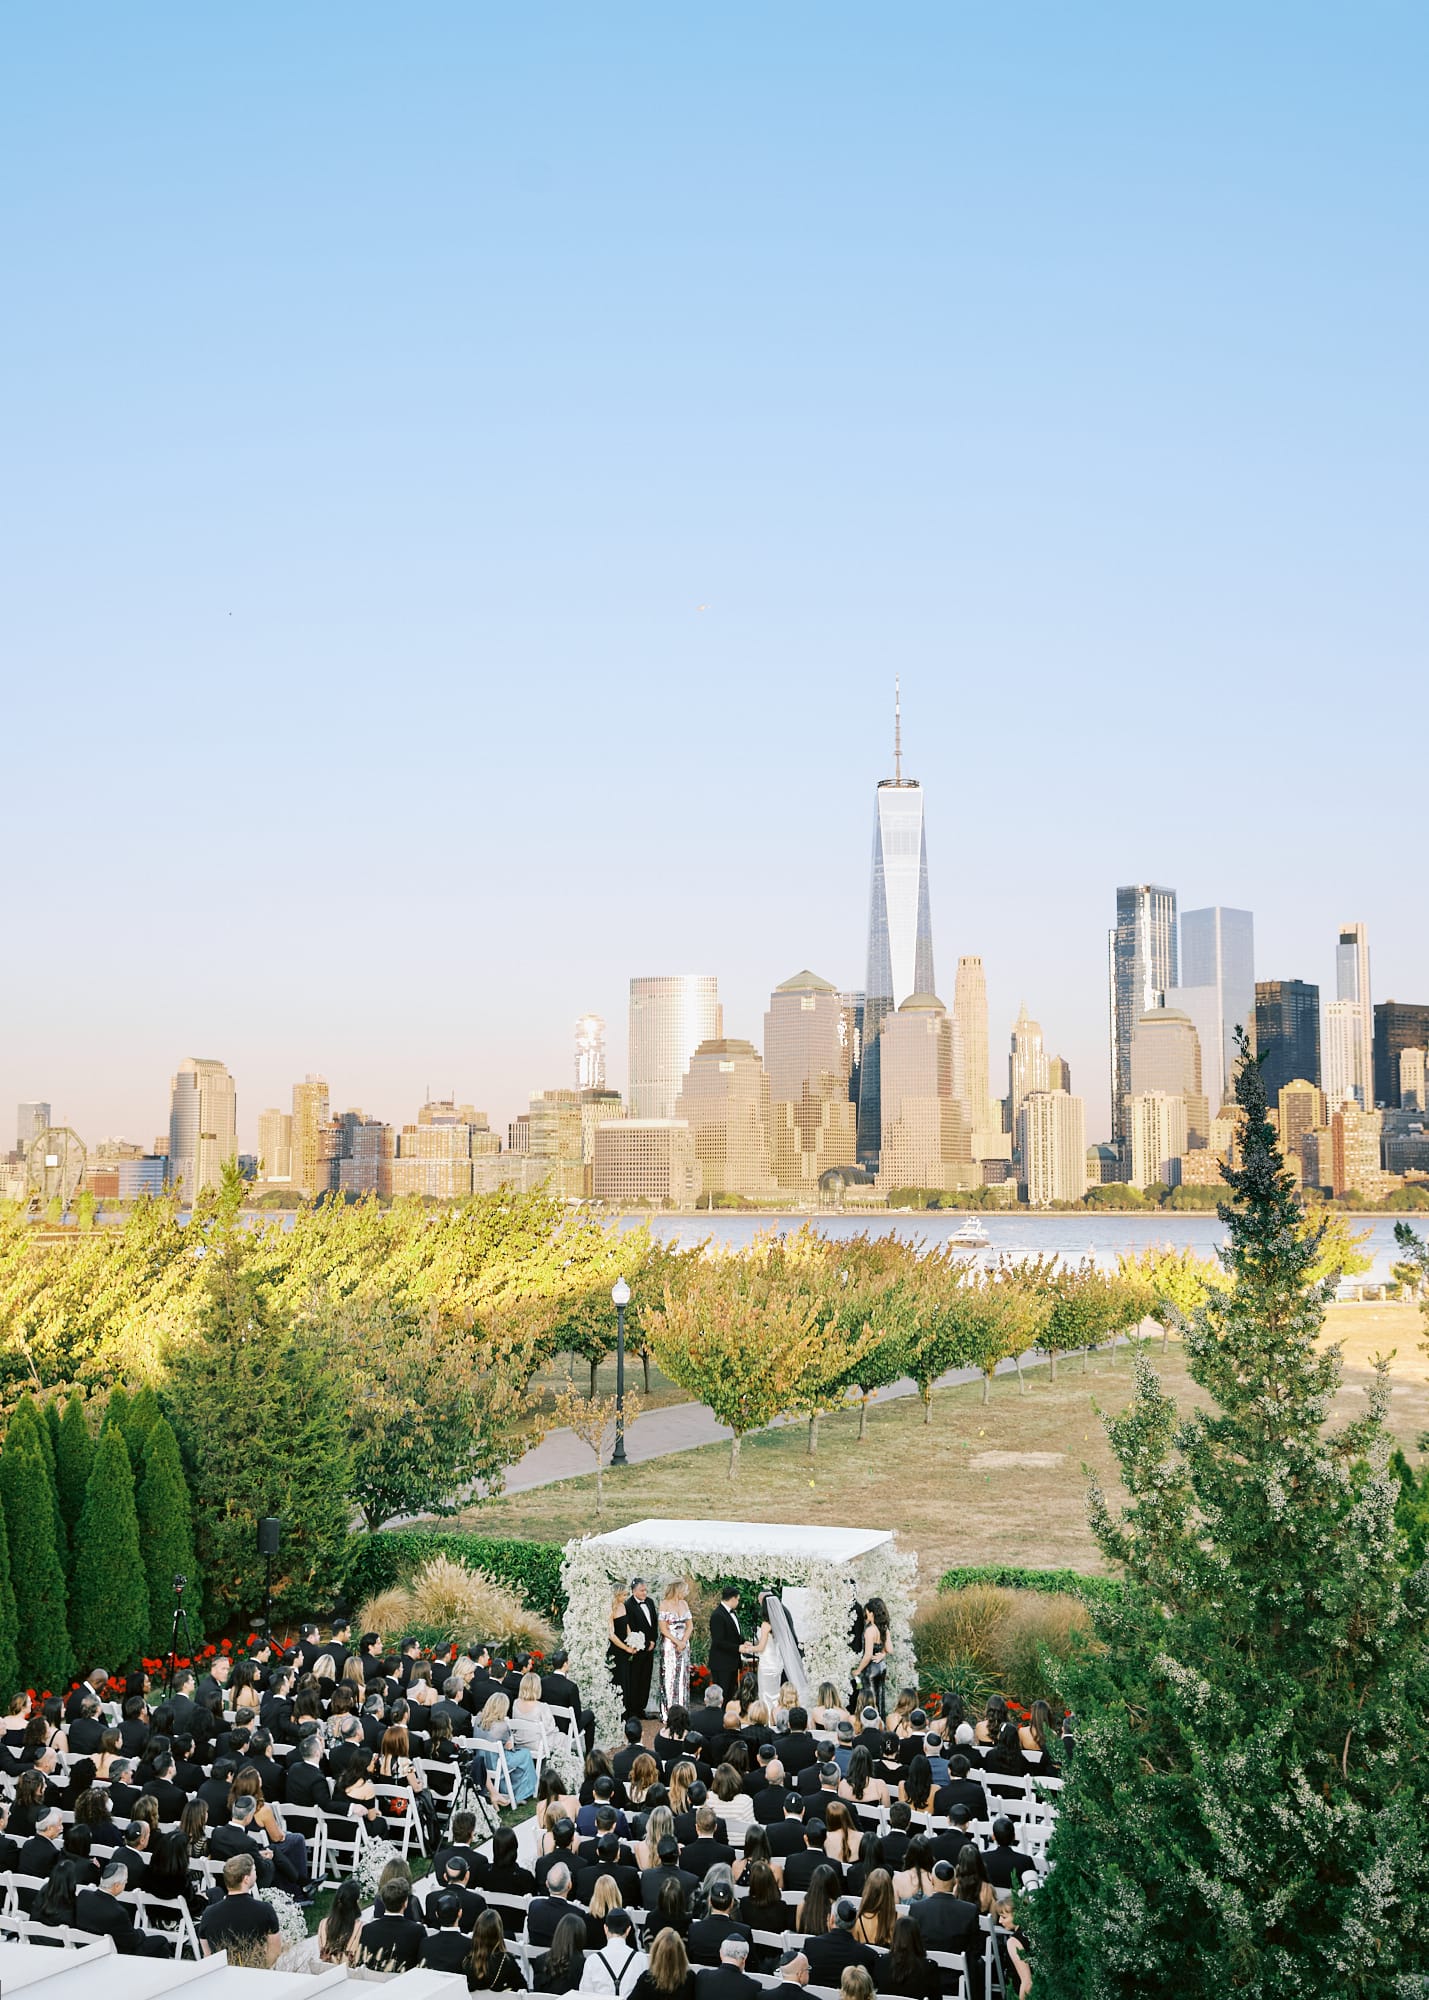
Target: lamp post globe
(620,1299)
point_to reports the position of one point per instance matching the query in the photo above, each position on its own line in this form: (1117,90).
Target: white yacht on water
(970,1234)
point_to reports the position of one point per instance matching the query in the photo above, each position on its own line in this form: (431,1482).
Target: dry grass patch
(447,1601)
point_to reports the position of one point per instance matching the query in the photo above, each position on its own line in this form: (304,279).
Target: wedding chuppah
(816,1576)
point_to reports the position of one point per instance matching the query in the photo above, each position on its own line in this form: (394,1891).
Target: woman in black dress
(619,1652)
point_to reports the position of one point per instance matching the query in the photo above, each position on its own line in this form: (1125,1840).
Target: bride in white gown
(774,1668)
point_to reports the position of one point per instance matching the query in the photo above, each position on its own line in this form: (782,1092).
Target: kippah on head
(114,1871)
(617,1920)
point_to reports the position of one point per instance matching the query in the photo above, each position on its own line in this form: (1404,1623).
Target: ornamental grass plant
(445,1601)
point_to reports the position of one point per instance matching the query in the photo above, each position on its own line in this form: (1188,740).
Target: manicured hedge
(1009,1576)
(531,1569)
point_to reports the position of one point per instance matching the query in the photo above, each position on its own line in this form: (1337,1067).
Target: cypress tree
(36,1572)
(52,1424)
(9,1622)
(117,1407)
(138,1422)
(166,1535)
(74,1457)
(1247,1807)
(28,1422)
(109,1615)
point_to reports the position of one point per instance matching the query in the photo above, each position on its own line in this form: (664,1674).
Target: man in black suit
(124,1794)
(838,1948)
(945,1922)
(543,1913)
(461,1839)
(340,1644)
(42,1850)
(393,1941)
(100,1912)
(797,1750)
(615,1861)
(634,1747)
(654,1879)
(87,1728)
(260,1758)
(708,1848)
(131,1856)
(447,1947)
(452,1708)
(726,1640)
(215,1681)
(170,1797)
(961,1789)
(275,1711)
(306,1785)
(181,1704)
(408,1653)
(483,1683)
(310,1648)
(641,1622)
(707,1934)
(728,1980)
(799,1868)
(563,1833)
(134,1729)
(558,1690)
(1004,1862)
(770,1801)
(240,1836)
(455,1879)
(786,1834)
(96,1683)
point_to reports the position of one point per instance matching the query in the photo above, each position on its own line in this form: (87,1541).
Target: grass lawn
(1005,1483)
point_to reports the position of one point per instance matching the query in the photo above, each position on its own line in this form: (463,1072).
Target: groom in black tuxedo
(725,1642)
(641,1616)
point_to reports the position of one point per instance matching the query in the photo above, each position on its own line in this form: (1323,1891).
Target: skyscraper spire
(897,731)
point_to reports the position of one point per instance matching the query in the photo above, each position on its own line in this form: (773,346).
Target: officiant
(727,1643)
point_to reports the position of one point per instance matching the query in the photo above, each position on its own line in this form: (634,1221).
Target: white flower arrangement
(292,1921)
(371,1861)
(591,1570)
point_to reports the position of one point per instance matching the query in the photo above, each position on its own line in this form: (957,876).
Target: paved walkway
(684,1427)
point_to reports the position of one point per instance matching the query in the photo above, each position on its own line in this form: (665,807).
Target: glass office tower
(1287,1033)
(1142,964)
(1218,966)
(900,929)
(670,1015)
(1352,984)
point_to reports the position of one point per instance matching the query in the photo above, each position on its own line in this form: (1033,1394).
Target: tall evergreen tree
(109,1598)
(139,1420)
(262,1425)
(1246,1812)
(74,1456)
(52,1424)
(45,1656)
(27,1421)
(116,1410)
(9,1621)
(166,1535)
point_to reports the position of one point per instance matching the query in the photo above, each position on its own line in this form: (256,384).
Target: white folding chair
(181,1934)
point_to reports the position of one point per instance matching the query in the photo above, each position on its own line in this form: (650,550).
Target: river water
(1101,1237)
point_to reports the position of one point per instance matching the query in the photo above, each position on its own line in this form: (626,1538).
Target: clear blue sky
(386,388)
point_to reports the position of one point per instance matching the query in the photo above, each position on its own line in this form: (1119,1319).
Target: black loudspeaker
(269,1531)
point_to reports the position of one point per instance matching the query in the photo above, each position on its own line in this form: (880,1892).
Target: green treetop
(37,1575)
(1246,1812)
(109,1595)
(166,1533)
(74,1456)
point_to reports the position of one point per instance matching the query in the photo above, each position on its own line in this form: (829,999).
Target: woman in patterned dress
(676,1627)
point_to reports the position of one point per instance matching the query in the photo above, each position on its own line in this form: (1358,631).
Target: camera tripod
(181,1616)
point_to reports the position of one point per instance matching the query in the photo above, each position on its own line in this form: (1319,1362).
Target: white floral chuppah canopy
(835,1566)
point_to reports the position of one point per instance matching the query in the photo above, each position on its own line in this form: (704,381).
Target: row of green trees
(93,1528)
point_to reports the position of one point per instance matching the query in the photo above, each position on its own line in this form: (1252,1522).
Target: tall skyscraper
(1217,989)
(1157,1131)
(1052,1140)
(973,1081)
(30,1121)
(807,1061)
(1352,984)
(275,1144)
(1287,1032)
(310,1113)
(1342,1053)
(900,925)
(590,1052)
(669,1017)
(203,1125)
(1398,1025)
(1301,1108)
(1027,1065)
(1143,963)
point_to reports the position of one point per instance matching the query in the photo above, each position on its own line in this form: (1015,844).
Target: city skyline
(620,447)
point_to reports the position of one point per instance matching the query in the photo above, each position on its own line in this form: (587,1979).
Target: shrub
(1090,1588)
(1036,1642)
(531,1569)
(447,1601)
(985,1639)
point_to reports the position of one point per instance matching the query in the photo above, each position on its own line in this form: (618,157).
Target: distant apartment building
(725,1103)
(1166,1058)
(1287,1032)
(275,1145)
(926,1137)
(203,1125)
(1158,1137)
(1300,1109)
(559,1130)
(365,1147)
(434,1157)
(1399,1025)
(1052,1142)
(1414,1080)
(646,1163)
(1355,1155)
(310,1168)
(808,1065)
(1341,1027)
(1059,1074)
(1028,1066)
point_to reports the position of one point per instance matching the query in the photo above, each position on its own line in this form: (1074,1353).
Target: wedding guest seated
(1039,1737)
(961,1789)
(618,1964)
(837,1947)
(1005,1758)
(612,1864)
(393,1942)
(562,1849)
(907,1970)
(667,1867)
(1004,1861)
(490,1968)
(668,1975)
(708,1933)
(99,1912)
(239,1918)
(447,1946)
(562,1967)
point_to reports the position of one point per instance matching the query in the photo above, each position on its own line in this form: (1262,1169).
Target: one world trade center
(900,927)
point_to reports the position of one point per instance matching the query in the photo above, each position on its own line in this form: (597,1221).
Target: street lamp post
(620,1299)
